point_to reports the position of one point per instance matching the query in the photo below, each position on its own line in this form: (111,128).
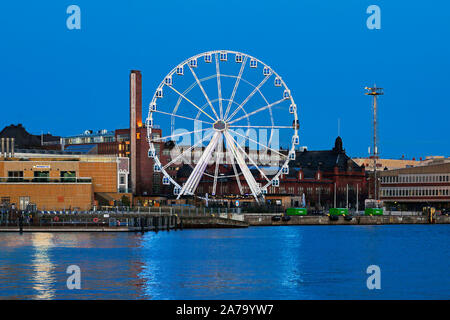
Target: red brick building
(320,175)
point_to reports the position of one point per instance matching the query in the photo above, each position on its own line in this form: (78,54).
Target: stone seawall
(201,222)
(266,220)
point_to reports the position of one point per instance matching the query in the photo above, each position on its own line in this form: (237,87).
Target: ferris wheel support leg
(253,185)
(218,160)
(193,180)
(238,180)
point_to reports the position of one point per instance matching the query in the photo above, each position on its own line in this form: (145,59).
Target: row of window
(416,178)
(95,139)
(41,176)
(415,192)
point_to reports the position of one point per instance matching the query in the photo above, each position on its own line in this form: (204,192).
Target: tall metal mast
(374,92)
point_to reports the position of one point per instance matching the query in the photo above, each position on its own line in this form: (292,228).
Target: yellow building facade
(62,182)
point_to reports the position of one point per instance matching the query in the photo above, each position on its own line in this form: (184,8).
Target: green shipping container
(373,211)
(296,211)
(338,211)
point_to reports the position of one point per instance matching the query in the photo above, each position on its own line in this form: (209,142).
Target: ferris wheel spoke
(216,171)
(257,111)
(238,79)
(238,180)
(264,146)
(262,127)
(180,116)
(178,135)
(187,150)
(219,88)
(248,97)
(203,90)
(250,159)
(194,179)
(184,97)
(253,185)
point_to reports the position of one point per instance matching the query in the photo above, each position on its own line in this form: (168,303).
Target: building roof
(324,160)
(25,140)
(82,148)
(383,164)
(433,167)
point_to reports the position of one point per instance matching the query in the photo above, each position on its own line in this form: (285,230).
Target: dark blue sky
(65,81)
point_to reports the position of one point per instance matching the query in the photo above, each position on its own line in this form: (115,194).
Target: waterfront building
(54,180)
(388,164)
(417,187)
(321,175)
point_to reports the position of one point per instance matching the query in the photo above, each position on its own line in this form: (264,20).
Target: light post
(374,92)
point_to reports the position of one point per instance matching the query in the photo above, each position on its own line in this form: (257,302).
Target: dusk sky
(66,81)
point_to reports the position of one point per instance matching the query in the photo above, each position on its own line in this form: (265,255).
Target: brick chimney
(135,121)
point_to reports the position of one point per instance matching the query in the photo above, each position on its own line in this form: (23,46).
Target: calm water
(304,262)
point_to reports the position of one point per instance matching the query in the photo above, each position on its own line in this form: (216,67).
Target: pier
(167,218)
(266,219)
(113,221)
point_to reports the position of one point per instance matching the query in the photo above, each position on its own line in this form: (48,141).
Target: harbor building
(388,164)
(323,176)
(417,187)
(53,180)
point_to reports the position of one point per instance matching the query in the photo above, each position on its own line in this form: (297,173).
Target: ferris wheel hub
(220,125)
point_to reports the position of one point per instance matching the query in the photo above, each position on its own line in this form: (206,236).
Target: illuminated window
(138,135)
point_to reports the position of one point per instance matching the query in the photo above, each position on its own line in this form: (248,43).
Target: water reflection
(42,278)
(256,263)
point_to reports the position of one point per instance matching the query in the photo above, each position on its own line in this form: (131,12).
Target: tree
(125,201)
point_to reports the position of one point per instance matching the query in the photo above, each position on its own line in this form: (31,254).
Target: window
(41,176)
(23,202)
(5,200)
(15,176)
(68,176)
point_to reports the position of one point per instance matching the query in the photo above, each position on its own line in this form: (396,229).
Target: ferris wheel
(231,118)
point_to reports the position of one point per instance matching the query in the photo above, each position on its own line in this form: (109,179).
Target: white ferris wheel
(231,118)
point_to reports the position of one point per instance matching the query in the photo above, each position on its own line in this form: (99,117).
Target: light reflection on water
(42,277)
(256,263)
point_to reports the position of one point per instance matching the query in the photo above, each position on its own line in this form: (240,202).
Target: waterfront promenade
(135,221)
